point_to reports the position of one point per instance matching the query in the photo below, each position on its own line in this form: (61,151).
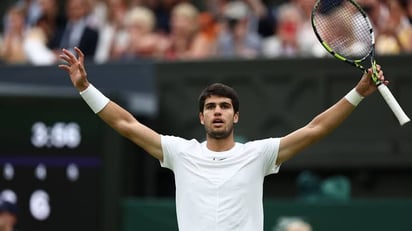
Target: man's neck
(220,145)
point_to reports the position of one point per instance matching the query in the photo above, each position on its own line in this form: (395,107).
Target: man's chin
(218,135)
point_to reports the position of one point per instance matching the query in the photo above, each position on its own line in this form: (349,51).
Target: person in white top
(219,182)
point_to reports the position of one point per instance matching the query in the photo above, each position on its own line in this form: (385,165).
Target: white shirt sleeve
(271,152)
(171,146)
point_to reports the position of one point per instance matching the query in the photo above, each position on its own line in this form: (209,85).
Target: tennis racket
(345,31)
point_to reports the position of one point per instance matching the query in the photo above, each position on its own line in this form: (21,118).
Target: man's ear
(236,118)
(201,118)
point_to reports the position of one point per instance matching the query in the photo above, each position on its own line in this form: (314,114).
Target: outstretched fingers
(80,54)
(81,61)
(74,66)
(68,58)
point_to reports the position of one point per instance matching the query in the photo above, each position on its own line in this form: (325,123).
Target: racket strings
(343,28)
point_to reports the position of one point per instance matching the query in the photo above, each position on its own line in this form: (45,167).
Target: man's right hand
(75,68)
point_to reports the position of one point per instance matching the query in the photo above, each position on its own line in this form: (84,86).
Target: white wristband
(94,98)
(354,97)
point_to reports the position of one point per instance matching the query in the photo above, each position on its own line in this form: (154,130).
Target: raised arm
(327,121)
(110,112)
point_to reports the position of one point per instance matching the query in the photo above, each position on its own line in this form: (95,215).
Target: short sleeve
(167,149)
(272,151)
(172,147)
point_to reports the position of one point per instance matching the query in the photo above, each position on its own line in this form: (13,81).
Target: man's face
(76,9)
(218,117)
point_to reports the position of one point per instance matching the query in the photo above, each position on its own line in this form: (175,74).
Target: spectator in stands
(292,224)
(38,36)
(32,11)
(11,48)
(307,42)
(184,27)
(405,33)
(405,39)
(162,10)
(8,215)
(235,39)
(387,41)
(35,45)
(285,40)
(378,13)
(205,41)
(50,18)
(96,18)
(76,31)
(112,33)
(141,41)
(408,6)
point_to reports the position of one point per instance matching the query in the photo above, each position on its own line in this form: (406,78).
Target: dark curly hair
(219,89)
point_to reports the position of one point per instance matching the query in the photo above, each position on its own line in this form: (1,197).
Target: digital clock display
(51,162)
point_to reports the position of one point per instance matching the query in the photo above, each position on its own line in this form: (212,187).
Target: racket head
(344,30)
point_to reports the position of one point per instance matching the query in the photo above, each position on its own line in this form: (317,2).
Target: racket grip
(393,104)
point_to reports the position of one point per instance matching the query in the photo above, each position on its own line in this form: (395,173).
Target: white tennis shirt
(219,191)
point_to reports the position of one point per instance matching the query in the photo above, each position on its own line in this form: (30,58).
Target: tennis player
(219,182)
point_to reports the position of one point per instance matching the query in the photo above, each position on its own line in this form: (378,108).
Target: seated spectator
(96,17)
(387,41)
(11,48)
(162,10)
(141,41)
(405,39)
(50,17)
(285,41)
(409,10)
(378,13)
(112,33)
(31,10)
(184,27)
(405,33)
(35,43)
(76,31)
(387,44)
(309,45)
(235,39)
(205,41)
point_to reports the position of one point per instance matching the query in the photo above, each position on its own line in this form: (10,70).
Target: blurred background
(61,168)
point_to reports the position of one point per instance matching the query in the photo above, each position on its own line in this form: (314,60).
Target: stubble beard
(218,135)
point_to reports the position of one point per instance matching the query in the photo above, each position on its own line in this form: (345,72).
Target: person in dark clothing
(76,31)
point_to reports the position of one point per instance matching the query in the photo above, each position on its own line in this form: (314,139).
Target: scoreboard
(51,162)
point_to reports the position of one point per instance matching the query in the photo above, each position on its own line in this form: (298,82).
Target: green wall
(356,215)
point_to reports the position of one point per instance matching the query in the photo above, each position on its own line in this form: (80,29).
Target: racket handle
(393,104)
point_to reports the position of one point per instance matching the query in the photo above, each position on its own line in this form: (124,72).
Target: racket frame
(382,88)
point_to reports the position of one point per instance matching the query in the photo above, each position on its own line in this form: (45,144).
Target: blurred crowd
(35,31)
